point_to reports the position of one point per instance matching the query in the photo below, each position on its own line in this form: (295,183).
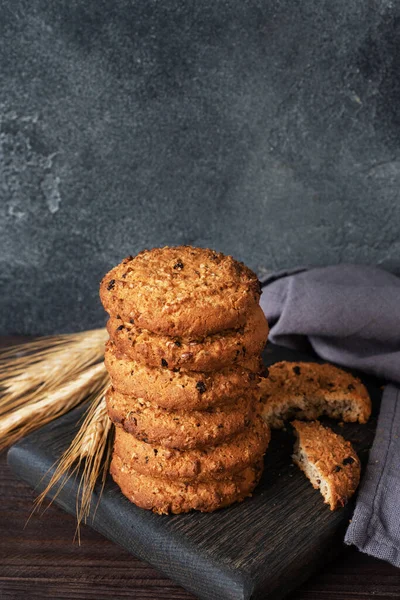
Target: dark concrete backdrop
(265,129)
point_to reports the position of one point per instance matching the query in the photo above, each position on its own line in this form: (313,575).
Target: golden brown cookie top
(181,291)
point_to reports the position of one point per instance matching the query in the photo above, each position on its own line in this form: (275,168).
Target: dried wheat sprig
(45,378)
(30,370)
(92,447)
(19,422)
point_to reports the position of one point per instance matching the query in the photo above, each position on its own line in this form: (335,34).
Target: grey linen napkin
(350,315)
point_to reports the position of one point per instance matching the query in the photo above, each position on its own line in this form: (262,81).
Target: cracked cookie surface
(328,460)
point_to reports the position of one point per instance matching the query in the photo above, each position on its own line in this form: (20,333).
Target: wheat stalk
(30,370)
(21,421)
(43,379)
(90,450)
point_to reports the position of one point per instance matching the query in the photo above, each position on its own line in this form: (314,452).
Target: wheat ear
(43,379)
(89,453)
(31,370)
(19,422)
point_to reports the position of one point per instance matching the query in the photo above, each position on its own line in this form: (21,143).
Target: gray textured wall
(265,129)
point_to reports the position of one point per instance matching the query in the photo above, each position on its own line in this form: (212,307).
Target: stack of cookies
(184,357)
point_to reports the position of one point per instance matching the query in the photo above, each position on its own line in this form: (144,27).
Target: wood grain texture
(42,562)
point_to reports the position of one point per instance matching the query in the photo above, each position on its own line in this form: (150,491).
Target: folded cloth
(350,315)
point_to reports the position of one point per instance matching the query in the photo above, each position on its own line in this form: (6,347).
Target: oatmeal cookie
(179,429)
(214,352)
(178,390)
(309,390)
(164,496)
(181,291)
(328,460)
(215,462)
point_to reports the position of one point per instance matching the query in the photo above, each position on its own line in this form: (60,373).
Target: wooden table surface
(39,560)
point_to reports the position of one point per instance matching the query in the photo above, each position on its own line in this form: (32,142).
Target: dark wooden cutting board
(262,548)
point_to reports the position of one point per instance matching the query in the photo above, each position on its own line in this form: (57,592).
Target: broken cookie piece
(328,460)
(304,390)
